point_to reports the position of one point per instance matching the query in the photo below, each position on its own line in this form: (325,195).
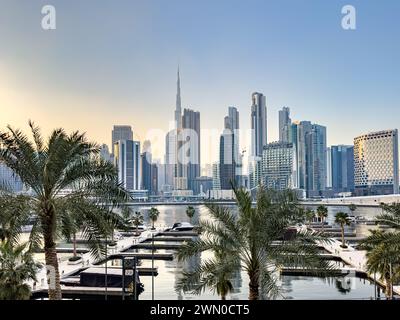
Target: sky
(115,62)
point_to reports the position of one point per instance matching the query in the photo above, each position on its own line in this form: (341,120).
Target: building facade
(277,166)
(127,161)
(191,132)
(376,168)
(342,168)
(258,124)
(284,124)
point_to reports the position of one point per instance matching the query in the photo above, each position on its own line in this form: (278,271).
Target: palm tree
(322,213)
(344,220)
(383,256)
(16,268)
(137,220)
(190,212)
(153,214)
(215,274)
(63,170)
(390,215)
(248,240)
(310,215)
(126,219)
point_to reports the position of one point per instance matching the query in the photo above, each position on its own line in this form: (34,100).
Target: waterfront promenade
(355,258)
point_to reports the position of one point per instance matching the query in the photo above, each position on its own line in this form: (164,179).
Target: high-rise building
(146,165)
(255,173)
(376,167)
(191,136)
(127,160)
(227,164)
(258,124)
(105,153)
(170,161)
(284,124)
(231,122)
(342,168)
(328,168)
(277,166)
(316,165)
(9,180)
(121,133)
(216,180)
(309,142)
(229,159)
(154,178)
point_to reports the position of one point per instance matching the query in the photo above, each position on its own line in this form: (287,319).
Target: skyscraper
(231,122)
(316,156)
(258,124)
(277,166)
(227,164)
(376,167)
(146,165)
(309,141)
(284,124)
(127,160)
(191,134)
(342,168)
(121,133)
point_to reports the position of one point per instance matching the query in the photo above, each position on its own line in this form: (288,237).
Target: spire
(178,109)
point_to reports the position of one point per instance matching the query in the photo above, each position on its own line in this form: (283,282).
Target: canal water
(292,287)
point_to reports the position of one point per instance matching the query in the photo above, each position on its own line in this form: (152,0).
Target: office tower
(121,133)
(231,122)
(277,166)
(170,158)
(376,163)
(127,160)
(216,177)
(191,136)
(342,168)
(227,164)
(255,173)
(304,129)
(154,178)
(146,161)
(316,166)
(9,180)
(258,124)
(328,168)
(293,139)
(309,141)
(284,124)
(105,153)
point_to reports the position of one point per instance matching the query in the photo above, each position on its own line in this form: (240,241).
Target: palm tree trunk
(253,286)
(322,224)
(388,288)
(343,244)
(223,297)
(50,254)
(74,244)
(152,224)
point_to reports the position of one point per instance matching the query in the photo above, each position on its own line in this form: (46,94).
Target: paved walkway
(354,258)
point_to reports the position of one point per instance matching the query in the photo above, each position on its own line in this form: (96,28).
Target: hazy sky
(114,62)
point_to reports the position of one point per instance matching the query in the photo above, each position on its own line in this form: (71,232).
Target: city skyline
(50,77)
